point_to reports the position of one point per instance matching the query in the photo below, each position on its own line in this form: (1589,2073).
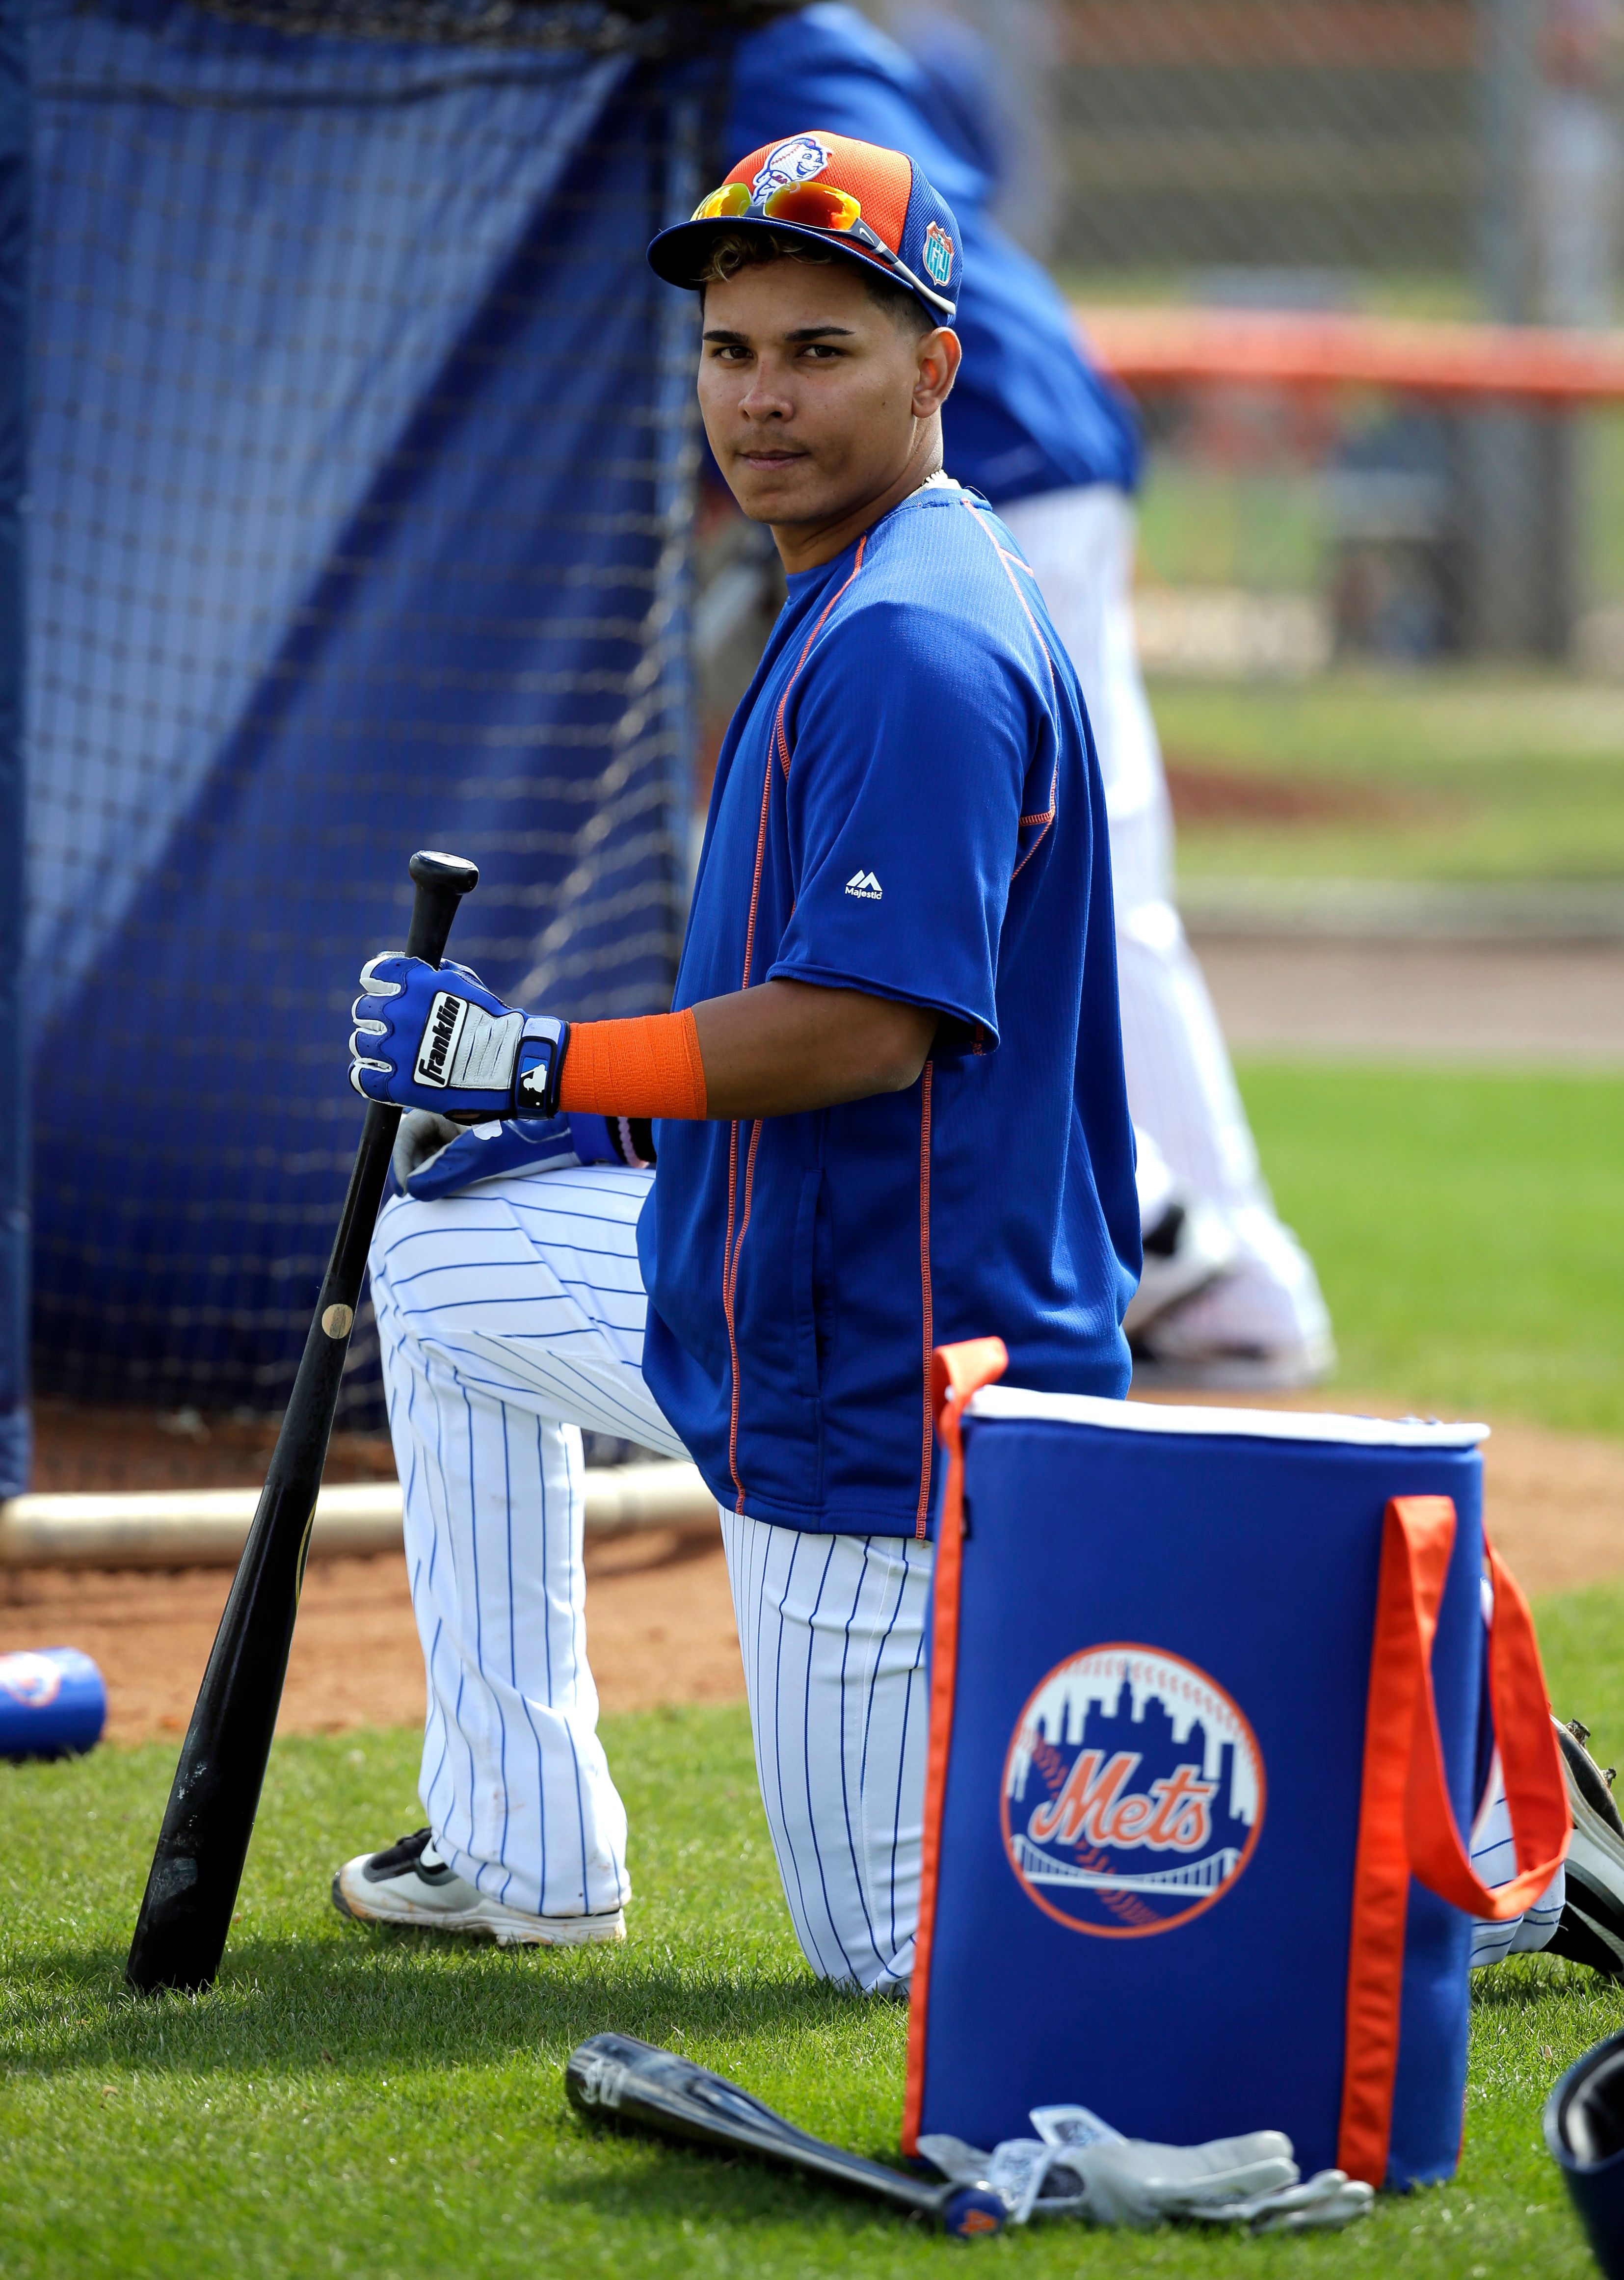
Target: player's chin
(780,490)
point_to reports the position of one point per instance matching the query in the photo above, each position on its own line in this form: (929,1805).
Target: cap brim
(679,254)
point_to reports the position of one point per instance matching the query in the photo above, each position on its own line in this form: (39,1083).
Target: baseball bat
(192,1886)
(617,2079)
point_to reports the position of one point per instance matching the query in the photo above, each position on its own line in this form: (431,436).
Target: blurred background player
(1229,1297)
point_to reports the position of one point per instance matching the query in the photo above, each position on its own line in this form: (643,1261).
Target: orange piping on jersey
(1005,559)
(729,1248)
(777,725)
(732,1246)
(733,1283)
(927,1441)
(733,1343)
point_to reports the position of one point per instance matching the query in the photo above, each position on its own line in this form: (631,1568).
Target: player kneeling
(889,1111)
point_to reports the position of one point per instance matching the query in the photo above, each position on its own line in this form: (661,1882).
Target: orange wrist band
(647,1066)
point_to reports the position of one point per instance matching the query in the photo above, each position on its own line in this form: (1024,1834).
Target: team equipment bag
(1211,1693)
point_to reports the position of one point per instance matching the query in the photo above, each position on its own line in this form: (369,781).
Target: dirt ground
(659,1619)
(1542,1001)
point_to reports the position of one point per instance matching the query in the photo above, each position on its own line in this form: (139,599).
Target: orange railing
(1152,349)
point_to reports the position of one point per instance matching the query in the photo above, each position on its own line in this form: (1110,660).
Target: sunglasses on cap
(813,205)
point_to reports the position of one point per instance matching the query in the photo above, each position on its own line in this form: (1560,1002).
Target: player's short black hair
(734,249)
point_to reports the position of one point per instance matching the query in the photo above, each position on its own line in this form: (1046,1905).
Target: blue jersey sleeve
(913,750)
(1029,414)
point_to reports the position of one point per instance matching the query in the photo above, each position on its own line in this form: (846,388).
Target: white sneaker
(1591,1929)
(409,1883)
(1189,1247)
(1260,1327)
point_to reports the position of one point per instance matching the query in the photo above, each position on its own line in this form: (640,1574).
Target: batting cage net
(361,459)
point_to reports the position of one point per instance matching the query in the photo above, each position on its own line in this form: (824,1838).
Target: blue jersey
(907,803)
(1027,413)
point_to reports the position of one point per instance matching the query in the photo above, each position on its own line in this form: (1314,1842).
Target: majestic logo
(441,1032)
(864,886)
(799,160)
(1133,1792)
(33,1680)
(938,254)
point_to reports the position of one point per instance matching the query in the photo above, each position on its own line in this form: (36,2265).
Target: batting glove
(433,1036)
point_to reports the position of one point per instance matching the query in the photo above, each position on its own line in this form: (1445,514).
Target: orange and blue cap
(857,197)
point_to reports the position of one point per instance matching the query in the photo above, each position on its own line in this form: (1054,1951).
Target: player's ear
(939,357)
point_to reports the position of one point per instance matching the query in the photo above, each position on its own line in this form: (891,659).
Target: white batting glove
(1325,2202)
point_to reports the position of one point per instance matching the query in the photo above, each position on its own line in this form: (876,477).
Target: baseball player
(1229,1297)
(889,1106)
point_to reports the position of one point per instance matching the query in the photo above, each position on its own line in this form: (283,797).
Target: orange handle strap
(1535,1789)
(957,1372)
(1406,1822)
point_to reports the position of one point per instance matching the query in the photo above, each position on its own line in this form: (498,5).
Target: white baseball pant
(1180,1086)
(1494,1863)
(511,1317)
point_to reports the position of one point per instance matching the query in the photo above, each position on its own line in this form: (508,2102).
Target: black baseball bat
(192,1885)
(617,2079)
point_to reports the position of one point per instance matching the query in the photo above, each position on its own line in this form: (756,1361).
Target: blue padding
(14,206)
(1256,1561)
(358,526)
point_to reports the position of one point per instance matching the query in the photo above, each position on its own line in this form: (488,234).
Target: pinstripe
(804,1738)
(450,1545)
(512,1664)
(858,1867)
(544,1324)
(798,1905)
(540,1768)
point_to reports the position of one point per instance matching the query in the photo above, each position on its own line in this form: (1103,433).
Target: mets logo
(938,254)
(1133,1792)
(799,160)
(33,1680)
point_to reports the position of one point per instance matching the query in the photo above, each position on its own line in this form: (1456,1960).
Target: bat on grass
(617,2079)
(192,1886)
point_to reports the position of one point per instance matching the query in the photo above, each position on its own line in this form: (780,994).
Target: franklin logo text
(1133,1792)
(441,1032)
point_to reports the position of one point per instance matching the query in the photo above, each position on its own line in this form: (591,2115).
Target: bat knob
(975,2213)
(455,873)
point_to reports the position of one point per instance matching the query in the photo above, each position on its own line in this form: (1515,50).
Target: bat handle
(441,880)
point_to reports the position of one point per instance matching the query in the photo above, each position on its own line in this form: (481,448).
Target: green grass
(387,2105)
(1448,774)
(1468,1230)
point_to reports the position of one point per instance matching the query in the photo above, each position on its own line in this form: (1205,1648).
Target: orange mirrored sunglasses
(812,205)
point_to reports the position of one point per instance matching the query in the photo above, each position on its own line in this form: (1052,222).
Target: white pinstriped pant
(511,1317)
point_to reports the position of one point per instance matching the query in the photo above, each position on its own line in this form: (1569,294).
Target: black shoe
(1591,1929)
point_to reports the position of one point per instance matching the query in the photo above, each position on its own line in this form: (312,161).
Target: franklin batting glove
(434,1037)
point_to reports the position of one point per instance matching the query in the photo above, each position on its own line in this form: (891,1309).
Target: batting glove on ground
(434,1037)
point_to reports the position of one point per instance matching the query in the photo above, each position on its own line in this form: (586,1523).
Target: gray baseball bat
(617,2079)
